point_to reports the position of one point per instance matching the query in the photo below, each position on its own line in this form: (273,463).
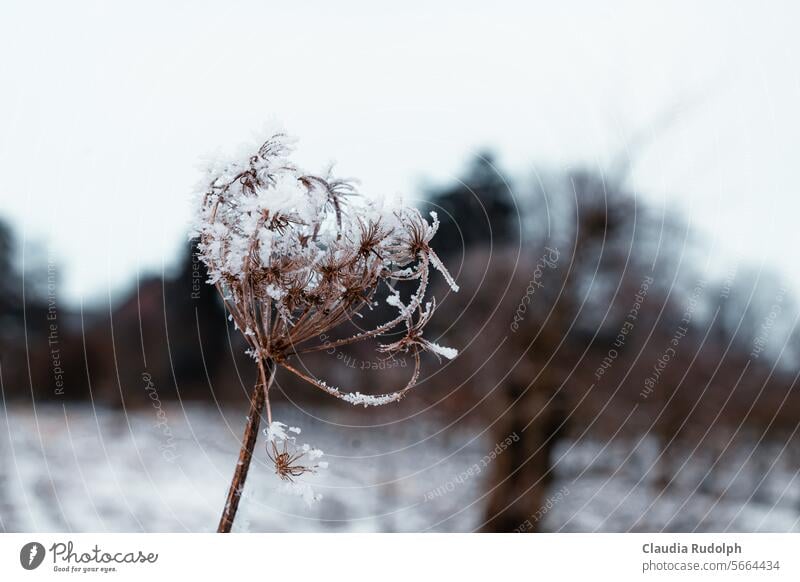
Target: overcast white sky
(105,108)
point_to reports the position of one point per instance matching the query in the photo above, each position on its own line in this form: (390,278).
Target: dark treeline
(582,311)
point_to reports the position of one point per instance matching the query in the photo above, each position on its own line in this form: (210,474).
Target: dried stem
(258,398)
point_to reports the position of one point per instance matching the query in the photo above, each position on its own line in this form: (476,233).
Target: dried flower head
(295,256)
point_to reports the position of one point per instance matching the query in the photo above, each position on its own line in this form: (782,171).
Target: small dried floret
(292,460)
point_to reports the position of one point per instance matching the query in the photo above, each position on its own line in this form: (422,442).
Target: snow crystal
(357,398)
(443,351)
(276,431)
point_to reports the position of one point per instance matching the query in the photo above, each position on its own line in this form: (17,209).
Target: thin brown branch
(257,400)
(353,397)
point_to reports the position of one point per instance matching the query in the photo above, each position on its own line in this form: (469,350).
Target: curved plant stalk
(258,399)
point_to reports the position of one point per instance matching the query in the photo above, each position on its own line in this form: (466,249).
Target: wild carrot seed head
(296,255)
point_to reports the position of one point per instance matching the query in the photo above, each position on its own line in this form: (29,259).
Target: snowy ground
(616,487)
(101,471)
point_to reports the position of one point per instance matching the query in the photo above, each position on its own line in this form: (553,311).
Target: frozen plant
(295,256)
(287,456)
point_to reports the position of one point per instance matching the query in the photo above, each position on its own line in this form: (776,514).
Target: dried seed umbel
(295,256)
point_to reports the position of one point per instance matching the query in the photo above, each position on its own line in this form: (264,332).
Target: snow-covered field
(90,470)
(108,471)
(617,487)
